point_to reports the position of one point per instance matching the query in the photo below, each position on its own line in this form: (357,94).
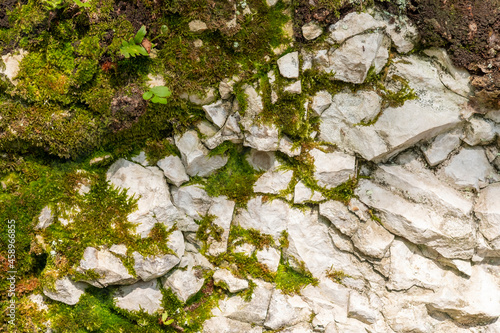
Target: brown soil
(6,6)
(126,108)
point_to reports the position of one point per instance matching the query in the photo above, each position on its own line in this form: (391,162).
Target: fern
(133,47)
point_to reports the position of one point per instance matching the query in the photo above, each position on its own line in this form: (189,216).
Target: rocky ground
(348,185)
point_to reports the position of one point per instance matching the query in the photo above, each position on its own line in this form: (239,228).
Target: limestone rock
(273,181)
(195,155)
(360,309)
(286,147)
(269,257)
(207,96)
(321,101)
(197,26)
(372,239)
(487,209)
(139,296)
(479,131)
(302,194)
(332,169)
(261,160)
(233,283)
(441,147)
(226,325)
(311,30)
(108,266)
(193,200)
(299,328)
(12,61)
(289,65)
(184,284)
(402,32)
(338,214)
(294,88)
(120,249)
(66,291)
(217,112)
(254,101)
(352,24)
(173,169)
(45,219)
(141,159)
(223,210)
(262,137)
(286,311)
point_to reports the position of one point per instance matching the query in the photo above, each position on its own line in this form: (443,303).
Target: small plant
(81,4)
(134,46)
(157,94)
(54,4)
(164,319)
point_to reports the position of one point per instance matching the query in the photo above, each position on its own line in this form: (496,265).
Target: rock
(223,210)
(197,26)
(372,239)
(184,284)
(205,97)
(120,249)
(12,61)
(254,101)
(45,219)
(262,137)
(450,236)
(286,147)
(286,311)
(321,60)
(98,160)
(206,128)
(38,300)
(299,328)
(155,81)
(193,200)
(198,43)
(360,309)
(479,131)
(288,65)
(271,3)
(267,217)
(304,194)
(332,169)
(353,59)
(294,88)
(232,283)
(195,155)
(151,189)
(402,32)
(441,147)
(321,101)
(469,168)
(141,159)
(144,296)
(406,315)
(487,210)
(352,24)
(273,181)
(245,248)
(311,30)
(269,257)
(109,267)
(338,214)
(66,291)
(173,169)
(261,160)
(217,112)
(226,87)
(226,325)
(354,108)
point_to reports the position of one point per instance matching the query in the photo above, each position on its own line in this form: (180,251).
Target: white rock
(470,168)
(109,267)
(338,214)
(269,257)
(197,26)
(286,147)
(38,299)
(207,96)
(353,59)
(155,80)
(184,284)
(262,137)
(382,55)
(273,181)
(233,283)
(321,101)
(352,24)
(479,131)
(405,315)
(173,169)
(151,267)
(217,112)
(294,88)
(487,209)
(372,239)
(332,169)
(66,291)
(299,328)
(441,147)
(403,33)
(12,61)
(45,219)
(267,217)
(311,30)
(271,3)
(254,101)
(307,59)
(244,248)
(193,200)
(226,325)
(206,128)
(289,65)
(139,296)
(261,160)
(195,155)
(286,311)
(198,43)
(302,194)
(321,60)
(120,249)
(223,210)
(141,159)
(360,309)
(354,108)
(225,89)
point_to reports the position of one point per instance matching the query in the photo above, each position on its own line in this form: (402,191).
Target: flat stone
(286,311)
(360,308)
(120,249)
(222,209)
(232,283)
(311,30)
(206,96)
(173,169)
(254,101)
(197,26)
(352,24)
(288,65)
(403,33)
(226,325)
(261,160)
(338,214)
(217,112)
(269,257)
(144,296)
(45,219)
(66,291)
(303,194)
(479,131)
(441,147)
(372,239)
(184,284)
(12,61)
(141,159)
(294,88)
(354,108)
(487,209)
(299,328)
(273,181)
(321,101)
(192,200)
(332,169)
(262,137)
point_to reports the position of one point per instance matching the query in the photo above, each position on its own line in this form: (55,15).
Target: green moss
(336,276)
(239,235)
(157,149)
(290,281)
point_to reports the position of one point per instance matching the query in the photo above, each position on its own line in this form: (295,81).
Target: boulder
(293,88)
(144,296)
(332,169)
(338,214)
(217,112)
(268,217)
(311,30)
(66,291)
(288,65)
(173,169)
(232,283)
(184,284)
(206,96)
(261,160)
(286,147)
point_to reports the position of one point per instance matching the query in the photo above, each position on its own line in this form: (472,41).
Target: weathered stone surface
(286,147)
(372,239)
(233,283)
(469,168)
(108,266)
(223,210)
(226,325)
(406,315)
(273,181)
(206,96)
(451,236)
(12,61)
(360,309)
(338,214)
(353,59)
(184,284)
(195,155)
(286,311)
(269,257)
(267,217)
(487,209)
(332,169)
(217,112)
(120,249)
(197,26)
(352,24)
(45,219)
(441,147)
(288,65)
(193,200)
(402,32)
(311,30)
(302,194)
(479,131)
(321,101)
(299,328)
(262,137)
(139,296)
(261,160)
(173,169)
(66,291)
(354,108)
(151,267)
(294,88)
(141,159)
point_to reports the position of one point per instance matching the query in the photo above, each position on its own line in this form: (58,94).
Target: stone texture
(45,219)
(206,96)
(311,30)
(441,147)
(338,214)
(487,209)
(222,209)
(288,65)
(286,311)
(479,131)
(66,291)
(12,61)
(261,160)
(141,159)
(273,181)
(286,147)
(303,194)
(269,257)
(321,101)
(173,169)
(144,296)
(352,24)
(332,169)
(217,112)
(192,200)
(372,239)
(267,217)
(184,284)
(360,309)
(226,325)
(294,88)
(233,283)
(262,137)
(197,26)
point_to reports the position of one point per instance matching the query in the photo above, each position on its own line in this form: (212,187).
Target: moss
(207,229)
(239,235)
(290,281)
(157,149)
(336,276)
